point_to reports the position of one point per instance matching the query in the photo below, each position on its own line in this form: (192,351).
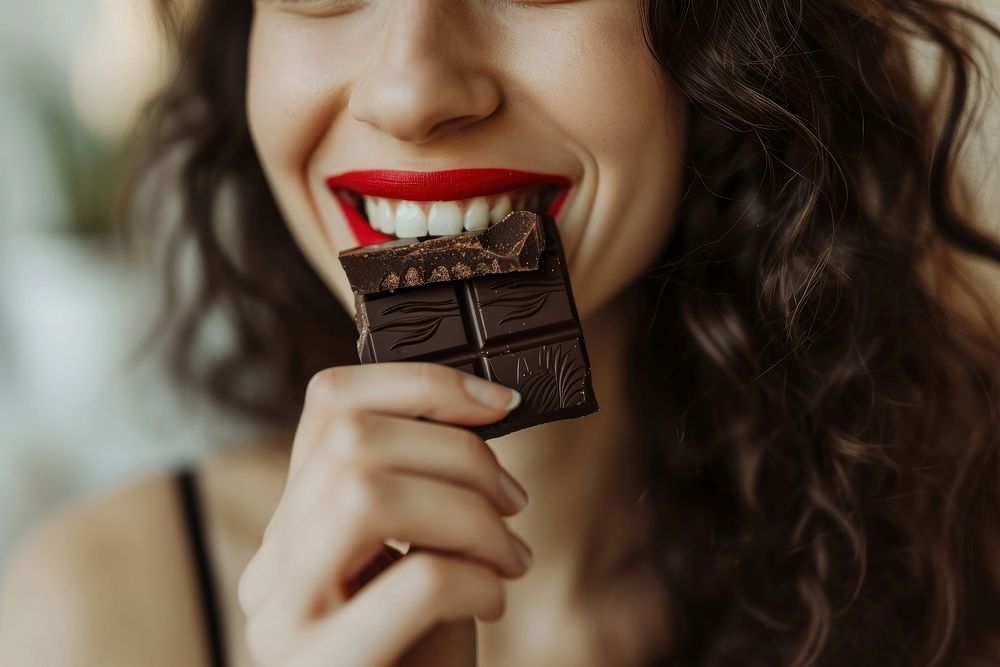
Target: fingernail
(523,552)
(514,491)
(492,395)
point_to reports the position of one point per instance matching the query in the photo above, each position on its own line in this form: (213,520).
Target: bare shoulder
(111,582)
(101,583)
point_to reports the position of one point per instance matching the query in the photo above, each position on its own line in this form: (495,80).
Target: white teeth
(371,208)
(385,222)
(477,216)
(411,221)
(500,209)
(445,217)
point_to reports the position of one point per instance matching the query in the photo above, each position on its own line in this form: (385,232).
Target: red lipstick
(434,186)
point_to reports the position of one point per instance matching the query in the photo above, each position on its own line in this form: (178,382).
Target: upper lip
(441,185)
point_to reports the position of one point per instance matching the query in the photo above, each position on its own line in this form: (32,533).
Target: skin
(322,99)
(428,85)
(556,87)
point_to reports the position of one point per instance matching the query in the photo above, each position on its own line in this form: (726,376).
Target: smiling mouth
(400,218)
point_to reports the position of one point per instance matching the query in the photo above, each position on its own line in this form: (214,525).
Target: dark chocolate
(520,329)
(513,244)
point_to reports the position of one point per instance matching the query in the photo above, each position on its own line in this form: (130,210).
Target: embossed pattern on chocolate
(519,329)
(549,377)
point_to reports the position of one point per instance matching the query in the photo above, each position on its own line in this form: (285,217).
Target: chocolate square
(519,329)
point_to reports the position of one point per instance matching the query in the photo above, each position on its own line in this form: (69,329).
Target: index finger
(407,389)
(412,389)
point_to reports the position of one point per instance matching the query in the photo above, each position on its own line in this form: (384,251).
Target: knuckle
(327,385)
(429,378)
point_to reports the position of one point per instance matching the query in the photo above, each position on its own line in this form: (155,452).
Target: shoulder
(95,584)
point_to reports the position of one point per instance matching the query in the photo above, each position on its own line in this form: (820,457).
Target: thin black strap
(203,566)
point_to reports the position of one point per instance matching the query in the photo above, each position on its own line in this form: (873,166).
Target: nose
(424,79)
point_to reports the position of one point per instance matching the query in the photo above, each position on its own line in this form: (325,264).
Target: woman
(796,457)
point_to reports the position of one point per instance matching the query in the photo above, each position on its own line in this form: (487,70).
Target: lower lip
(365,234)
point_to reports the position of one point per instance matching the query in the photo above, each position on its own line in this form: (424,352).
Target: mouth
(384,205)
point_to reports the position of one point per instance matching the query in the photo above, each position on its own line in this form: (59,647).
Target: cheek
(293,88)
(637,194)
(594,74)
(610,98)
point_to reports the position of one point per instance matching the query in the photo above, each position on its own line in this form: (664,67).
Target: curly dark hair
(819,372)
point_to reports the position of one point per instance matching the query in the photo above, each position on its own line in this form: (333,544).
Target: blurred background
(77,414)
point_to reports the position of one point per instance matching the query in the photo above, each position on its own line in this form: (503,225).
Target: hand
(378,454)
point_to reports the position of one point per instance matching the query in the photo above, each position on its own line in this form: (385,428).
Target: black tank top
(198,542)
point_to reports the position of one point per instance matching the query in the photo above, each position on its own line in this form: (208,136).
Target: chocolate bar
(520,328)
(513,244)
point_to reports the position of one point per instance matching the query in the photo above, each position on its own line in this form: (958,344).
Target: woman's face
(564,91)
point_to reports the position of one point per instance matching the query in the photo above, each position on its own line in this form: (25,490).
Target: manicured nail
(514,491)
(492,395)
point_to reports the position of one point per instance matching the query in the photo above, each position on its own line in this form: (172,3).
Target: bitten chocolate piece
(520,329)
(513,244)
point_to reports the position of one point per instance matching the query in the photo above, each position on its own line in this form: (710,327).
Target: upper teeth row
(412,219)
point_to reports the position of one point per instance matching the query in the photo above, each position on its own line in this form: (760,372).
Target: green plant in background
(88,168)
